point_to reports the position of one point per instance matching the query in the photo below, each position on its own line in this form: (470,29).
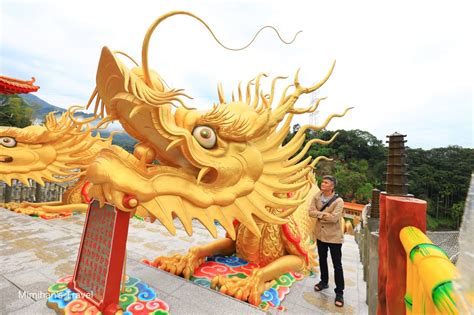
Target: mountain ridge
(33,109)
(40,107)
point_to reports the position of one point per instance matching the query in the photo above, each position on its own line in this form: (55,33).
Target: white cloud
(405,66)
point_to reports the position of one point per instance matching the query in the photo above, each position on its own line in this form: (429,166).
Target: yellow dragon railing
(429,276)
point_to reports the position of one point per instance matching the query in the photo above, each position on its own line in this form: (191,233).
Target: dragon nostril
(6,159)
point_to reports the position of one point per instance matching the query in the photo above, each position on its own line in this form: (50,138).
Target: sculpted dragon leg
(185,264)
(32,204)
(250,289)
(16,205)
(46,210)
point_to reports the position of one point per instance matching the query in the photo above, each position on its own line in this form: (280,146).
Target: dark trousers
(336,256)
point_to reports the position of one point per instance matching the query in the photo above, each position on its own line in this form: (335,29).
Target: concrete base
(372,275)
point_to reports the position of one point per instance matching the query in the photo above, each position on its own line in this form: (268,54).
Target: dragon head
(49,152)
(222,164)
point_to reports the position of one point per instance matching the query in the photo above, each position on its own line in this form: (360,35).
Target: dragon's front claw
(47,211)
(40,211)
(180,264)
(28,210)
(106,193)
(114,181)
(249,289)
(12,205)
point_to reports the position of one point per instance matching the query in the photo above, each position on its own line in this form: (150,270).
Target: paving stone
(4,283)
(293,297)
(178,306)
(155,278)
(298,309)
(10,299)
(25,278)
(38,307)
(213,301)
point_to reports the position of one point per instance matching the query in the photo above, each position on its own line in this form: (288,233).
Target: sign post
(100,261)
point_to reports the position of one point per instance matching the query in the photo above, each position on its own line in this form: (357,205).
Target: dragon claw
(249,289)
(180,265)
(43,210)
(106,193)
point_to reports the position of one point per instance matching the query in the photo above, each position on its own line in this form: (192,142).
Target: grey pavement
(34,253)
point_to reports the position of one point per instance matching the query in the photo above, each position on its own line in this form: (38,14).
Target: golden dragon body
(58,151)
(227,164)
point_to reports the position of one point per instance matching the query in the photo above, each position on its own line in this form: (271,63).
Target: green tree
(364,193)
(457,212)
(14,112)
(348,181)
(441,176)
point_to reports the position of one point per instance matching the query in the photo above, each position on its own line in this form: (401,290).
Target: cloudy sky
(404,66)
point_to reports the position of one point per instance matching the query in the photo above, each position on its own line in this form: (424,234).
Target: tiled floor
(34,253)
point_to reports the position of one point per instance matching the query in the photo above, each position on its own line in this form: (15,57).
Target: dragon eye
(206,136)
(8,142)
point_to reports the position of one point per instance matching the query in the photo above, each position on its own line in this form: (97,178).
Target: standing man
(327,208)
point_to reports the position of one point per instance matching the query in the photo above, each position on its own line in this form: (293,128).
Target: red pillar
(401,212)
(396,212)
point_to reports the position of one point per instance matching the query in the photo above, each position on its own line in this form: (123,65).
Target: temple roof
(15,86)
(353,206)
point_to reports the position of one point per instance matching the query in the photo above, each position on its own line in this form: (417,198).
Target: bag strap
(329,202)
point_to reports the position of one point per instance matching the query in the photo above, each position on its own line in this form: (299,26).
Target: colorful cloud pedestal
(136,298)
(233,266)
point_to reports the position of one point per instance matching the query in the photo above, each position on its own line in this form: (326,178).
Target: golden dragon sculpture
(226,164)
(58,151)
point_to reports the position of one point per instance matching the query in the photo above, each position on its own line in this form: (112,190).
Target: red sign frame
(109,303)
